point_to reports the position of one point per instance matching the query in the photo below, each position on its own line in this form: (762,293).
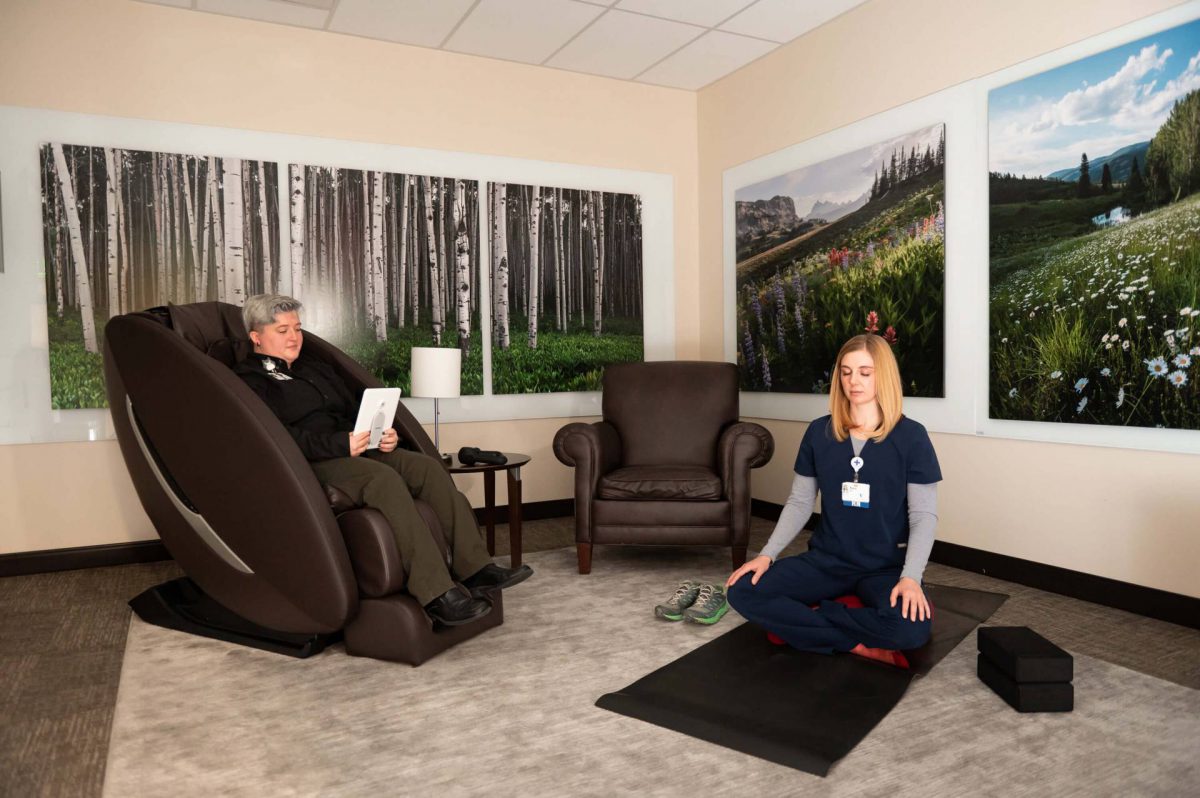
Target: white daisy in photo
(1012,393)
(1156,366)
(1182,361)
(1122,322)
(1055,375)
(1120,397)
(1082,404)
(1105,372)
(1177,378)
(1185,311)
(1080,384)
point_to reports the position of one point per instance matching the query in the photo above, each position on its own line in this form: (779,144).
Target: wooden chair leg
(739,557)
(585,557)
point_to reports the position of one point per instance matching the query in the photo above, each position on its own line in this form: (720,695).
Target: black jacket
(314,404)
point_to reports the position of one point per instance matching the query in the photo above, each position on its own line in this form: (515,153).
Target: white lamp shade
(436,372)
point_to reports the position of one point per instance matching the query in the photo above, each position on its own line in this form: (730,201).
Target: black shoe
(455,608)
(495,577)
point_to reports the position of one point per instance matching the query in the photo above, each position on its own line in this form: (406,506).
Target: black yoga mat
(792,707)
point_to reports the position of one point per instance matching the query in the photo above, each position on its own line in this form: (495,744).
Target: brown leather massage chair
(669,464)
(272,560)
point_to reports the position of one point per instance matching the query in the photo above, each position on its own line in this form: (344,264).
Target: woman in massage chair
(858,587)
(319,411)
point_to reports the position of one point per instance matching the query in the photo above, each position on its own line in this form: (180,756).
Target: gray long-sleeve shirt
(922,520)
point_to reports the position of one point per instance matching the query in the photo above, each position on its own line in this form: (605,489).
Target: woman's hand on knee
(913,604)
(758,566)
(358,442)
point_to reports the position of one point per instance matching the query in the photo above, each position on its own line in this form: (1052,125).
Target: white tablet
(376,413)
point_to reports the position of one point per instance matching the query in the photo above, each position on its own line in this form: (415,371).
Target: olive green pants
(389,482)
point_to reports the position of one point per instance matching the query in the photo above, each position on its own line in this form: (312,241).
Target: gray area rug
(511,712)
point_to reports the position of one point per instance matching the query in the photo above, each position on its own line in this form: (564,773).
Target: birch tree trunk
(499,239)
(114,265)
(191,225)
(124,228)
(379,287)
(414,272)
(462,250)
(402,261)
(599,218)
(534,278)
(596,286)
(443,268)
(560,294)
(435,287)
(177,271)
(265,230)
(81,271)
(296,220)
(160,249)
(235,264)
(215,210)
(368,261)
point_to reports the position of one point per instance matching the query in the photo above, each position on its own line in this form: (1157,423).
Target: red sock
(895,658)
(775,639)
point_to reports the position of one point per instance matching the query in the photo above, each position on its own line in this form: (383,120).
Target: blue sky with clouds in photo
(1095,105)
(839,179)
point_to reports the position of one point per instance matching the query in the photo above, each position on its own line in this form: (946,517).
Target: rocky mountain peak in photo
(763,217)
(832,211)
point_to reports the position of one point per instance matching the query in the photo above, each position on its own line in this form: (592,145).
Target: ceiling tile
(267,11)
(175,3)
(784,20)
(697,12)
(521,30)
(714,55)
(422,22)
(622,45)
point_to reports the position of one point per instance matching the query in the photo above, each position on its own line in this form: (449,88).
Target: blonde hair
(888,393)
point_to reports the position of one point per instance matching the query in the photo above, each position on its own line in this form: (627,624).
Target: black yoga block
(1027,696)
(1023,655)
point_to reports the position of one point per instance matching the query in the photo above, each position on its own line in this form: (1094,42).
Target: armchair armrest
(743,445)
(593,450)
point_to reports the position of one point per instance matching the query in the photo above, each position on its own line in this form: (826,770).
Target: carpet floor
(512,711)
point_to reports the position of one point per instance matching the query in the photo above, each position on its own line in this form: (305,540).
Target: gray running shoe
(673,608)
(709,607)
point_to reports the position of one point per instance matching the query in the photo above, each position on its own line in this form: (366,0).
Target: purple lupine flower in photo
(870,249)
(780,313)
(756,306)
(748,349)
(940,221)
(799,322)
(766,369)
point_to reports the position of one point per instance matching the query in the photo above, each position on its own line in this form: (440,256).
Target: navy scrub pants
(781,600)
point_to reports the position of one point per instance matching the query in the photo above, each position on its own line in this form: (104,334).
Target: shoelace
(681,593)
(708,596)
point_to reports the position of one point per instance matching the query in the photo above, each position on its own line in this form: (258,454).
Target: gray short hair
(261,309)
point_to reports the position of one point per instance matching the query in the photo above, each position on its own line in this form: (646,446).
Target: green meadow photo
(849,245)
(1095,238)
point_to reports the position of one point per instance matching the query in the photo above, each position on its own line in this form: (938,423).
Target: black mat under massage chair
(272,559)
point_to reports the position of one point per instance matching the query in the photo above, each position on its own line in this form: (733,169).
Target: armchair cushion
(663,482)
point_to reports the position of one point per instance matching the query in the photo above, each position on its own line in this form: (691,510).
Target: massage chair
(272,559)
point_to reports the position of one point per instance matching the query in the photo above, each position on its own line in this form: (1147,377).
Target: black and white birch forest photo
(566,286)
(125,230)
(384,262)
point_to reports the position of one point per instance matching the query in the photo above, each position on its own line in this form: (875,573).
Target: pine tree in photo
(1085,178)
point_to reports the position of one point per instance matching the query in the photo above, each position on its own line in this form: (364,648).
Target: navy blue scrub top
(872,538)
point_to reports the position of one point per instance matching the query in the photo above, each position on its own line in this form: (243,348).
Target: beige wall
(129,59)
(114,57)
(1128,515)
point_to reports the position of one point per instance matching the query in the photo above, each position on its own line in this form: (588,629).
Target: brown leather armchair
(272,559)
(669,464)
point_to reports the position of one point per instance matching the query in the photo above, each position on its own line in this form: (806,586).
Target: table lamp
(436,374)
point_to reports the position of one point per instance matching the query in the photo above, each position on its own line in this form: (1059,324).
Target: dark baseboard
(534,511)
(43,562)
(1147,601)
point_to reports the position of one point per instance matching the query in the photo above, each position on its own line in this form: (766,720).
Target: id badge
(856,494)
